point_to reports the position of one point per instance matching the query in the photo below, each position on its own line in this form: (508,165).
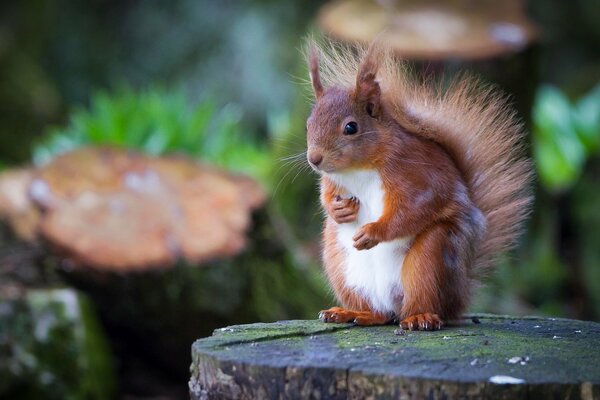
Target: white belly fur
(374,273)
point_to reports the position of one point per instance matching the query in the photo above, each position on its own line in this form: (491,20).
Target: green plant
(565,134)
(159,122)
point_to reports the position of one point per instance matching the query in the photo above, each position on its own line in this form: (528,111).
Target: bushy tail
(481,132)
(473,122)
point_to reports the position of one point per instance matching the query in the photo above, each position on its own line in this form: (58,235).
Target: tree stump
(166,248)
(484,356)
(493,39)
(433,29)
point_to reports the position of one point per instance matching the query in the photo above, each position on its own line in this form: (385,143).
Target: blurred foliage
(565,135)
(160,122)
(29,98)
(555,271)
(54,54)
(242,109)
(584,220)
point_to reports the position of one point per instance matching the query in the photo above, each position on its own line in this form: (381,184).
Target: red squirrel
(422,186)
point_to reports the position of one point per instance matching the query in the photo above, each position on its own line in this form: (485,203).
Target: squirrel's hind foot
(363,318)
(422,322)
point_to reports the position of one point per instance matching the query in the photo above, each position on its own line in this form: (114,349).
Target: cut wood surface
(114,209)
(432,29)
(485,356)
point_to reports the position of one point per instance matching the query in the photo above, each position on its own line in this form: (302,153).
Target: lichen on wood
(52,347)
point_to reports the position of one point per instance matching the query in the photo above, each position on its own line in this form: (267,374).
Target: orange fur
(451,165)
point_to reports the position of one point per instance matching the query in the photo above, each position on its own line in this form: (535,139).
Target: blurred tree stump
(167,249)
(487,357)
(491,38)
(114,210)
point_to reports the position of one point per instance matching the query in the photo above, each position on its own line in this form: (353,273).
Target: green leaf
(196,129)
(156,143)
(159,122)
(559,153)
(586,117)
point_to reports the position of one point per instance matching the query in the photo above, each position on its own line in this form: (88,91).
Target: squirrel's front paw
(344,210)
(366,237)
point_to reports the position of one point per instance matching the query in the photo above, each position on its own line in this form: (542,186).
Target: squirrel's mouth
(322,168)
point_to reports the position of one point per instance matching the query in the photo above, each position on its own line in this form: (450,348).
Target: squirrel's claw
(344,210)
(422,322)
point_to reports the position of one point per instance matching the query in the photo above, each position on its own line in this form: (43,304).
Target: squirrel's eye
(351,128)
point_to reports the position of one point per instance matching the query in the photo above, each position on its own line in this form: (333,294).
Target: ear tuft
(367,87)
(371,110)
(313,63)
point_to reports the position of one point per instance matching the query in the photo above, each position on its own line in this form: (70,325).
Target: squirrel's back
(472,121)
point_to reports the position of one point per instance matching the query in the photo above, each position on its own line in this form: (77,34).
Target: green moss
(53,348)
(240,334)
(556,350)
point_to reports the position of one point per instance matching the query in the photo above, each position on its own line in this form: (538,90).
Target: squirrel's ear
(367,88)
(313,64)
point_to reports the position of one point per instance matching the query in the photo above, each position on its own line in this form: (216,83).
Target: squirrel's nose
(315,158)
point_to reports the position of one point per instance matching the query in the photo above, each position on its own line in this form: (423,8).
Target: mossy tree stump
(484,357)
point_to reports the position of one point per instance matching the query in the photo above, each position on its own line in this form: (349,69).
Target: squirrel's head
(344,127)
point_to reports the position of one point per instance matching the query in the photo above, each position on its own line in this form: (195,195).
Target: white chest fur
(374,273)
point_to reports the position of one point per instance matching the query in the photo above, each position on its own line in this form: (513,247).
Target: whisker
(303,169)
(292,163)
(286,164)
(287,136)
(293,156)
(281,181)
(297,166)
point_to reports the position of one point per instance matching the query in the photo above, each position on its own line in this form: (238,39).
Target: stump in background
(114,210)
(166,248)
(433,29)
(493,39)
(485,357)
